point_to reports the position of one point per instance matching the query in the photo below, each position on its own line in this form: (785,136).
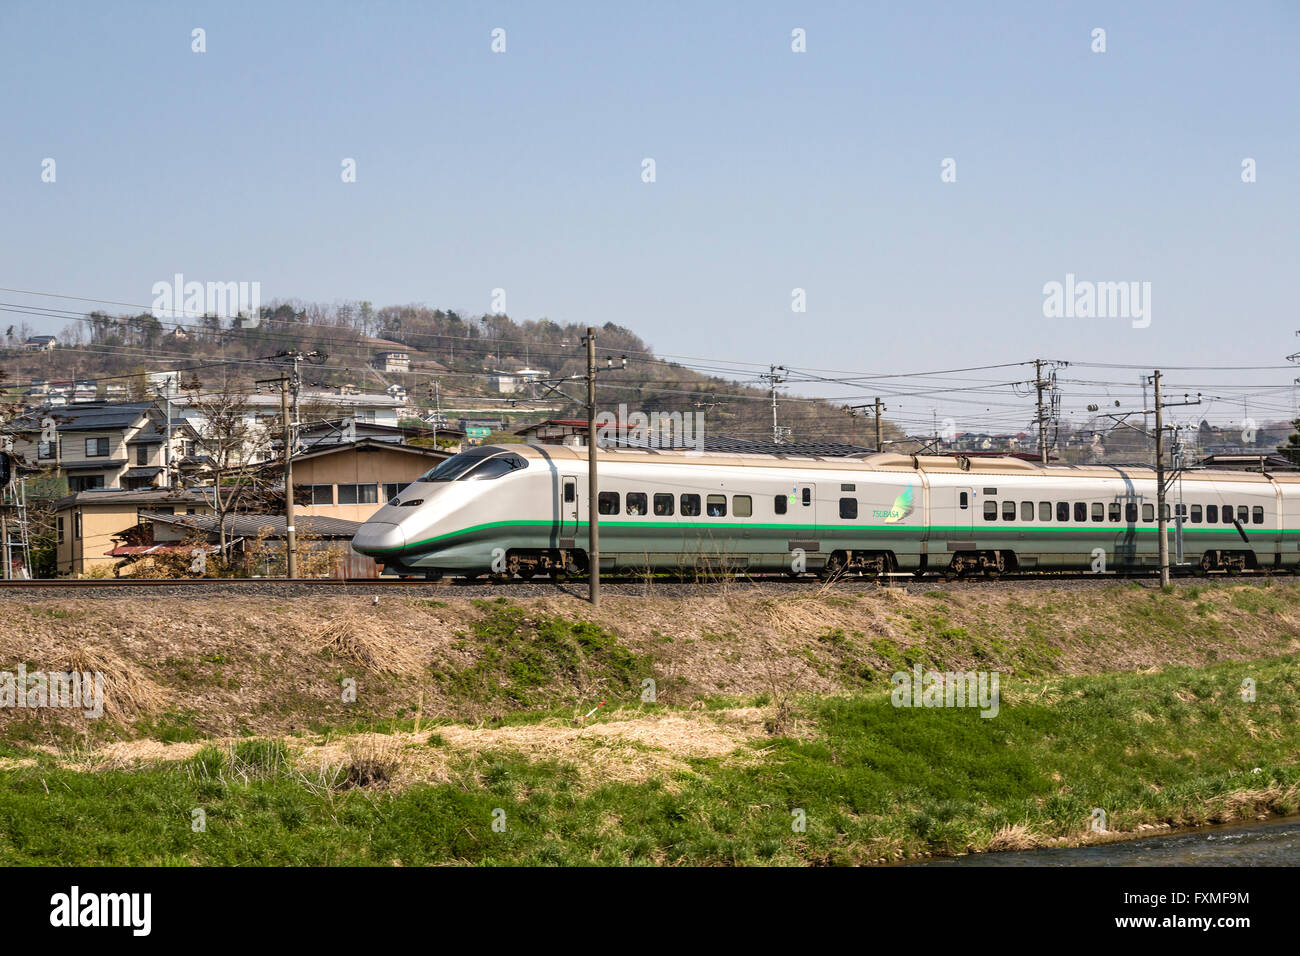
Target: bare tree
(234,442)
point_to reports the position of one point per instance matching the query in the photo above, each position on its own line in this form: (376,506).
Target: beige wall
(99,523)
(377,467)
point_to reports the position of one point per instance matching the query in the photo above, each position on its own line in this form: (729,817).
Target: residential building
(86,522)
(351,481)
(40,343)
(392,362)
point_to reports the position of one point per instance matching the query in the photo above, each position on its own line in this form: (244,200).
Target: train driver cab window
(716,505)
(1026,511)
(963,500)
(848,508)
(1148,512)
(990,510)
(663,505)
(1131,512)
(742,506)
(1062,511)
(1257,515)
(1098,511)
(608,502)
(779,504)
(1008,511)
(1211,514)
(1196,514)
(691,506)
(636,503)
(1044,511)
(1112,511)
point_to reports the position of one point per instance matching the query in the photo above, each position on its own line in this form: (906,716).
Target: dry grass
(360,638)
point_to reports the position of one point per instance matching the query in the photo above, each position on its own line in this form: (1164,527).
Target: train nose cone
(379,537)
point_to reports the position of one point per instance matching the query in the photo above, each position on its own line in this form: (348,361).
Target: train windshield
(474,465)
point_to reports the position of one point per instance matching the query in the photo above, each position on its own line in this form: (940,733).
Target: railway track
(661,586)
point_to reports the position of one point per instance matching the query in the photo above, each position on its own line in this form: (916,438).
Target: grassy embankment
(768,710)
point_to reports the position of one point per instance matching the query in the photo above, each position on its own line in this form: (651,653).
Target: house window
(85,483)
(392,489)
(142,454)
(76,525)
(742,506)
(60,531)
(45,450)
(848,508)
(367,494)
(321,494)
(96,447)
(608,502)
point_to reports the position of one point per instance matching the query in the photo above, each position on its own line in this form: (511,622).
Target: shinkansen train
(522,510)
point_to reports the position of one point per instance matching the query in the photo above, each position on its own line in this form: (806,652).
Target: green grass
(873,781)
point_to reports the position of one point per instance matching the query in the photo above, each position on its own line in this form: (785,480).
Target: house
(398,392)
(87,521)
(508,383)
(351,481)
(393,362)
(40,343)
(258,537)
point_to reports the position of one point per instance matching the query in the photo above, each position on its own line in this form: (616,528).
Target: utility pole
(775,380)
(593,494)
(1161,525)
(290,533)
(1042,419)
(880,435)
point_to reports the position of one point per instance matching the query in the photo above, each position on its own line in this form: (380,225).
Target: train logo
(901,509)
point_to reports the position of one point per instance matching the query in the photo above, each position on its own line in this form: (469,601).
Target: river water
(1273,843)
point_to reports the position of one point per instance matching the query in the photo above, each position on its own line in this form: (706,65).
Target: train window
(1026,511)
(691,505)
(1098,511)
(1062,511)
(848,487)
(1211,514)
(458,465)
(990,510)
(963,500)
(807,497)
(1257,515)
(570,491)
(716,506)
(742,506)
(1130,511)
(1112,511)
(608,502)
(1080,511)
(1243,514)
(1044,511)
(1180,511)
(663,505)
(848,508)
(779,504)
(1008,511)
(1196,514)
(636,503)
(495,468)
(1148,512)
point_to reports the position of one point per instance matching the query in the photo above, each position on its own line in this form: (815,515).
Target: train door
(964,511)
(805,506)
(568,506)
